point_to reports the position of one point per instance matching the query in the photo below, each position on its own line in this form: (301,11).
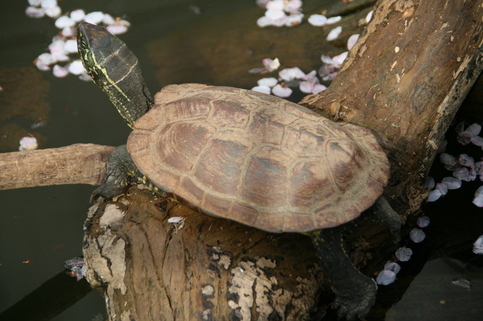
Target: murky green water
(177,45)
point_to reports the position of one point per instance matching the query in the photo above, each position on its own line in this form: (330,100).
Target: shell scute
(220,165)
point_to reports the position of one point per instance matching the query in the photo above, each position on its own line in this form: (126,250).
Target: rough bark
(202,268)
(74,164)
(405,79)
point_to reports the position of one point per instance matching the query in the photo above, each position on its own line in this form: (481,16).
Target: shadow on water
(175,44)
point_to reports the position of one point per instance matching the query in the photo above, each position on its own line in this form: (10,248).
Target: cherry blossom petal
(352,41)
(478,245)
(262,89)
(385,277)
(280,91)
(317,20)
(333,20)
(270,82)
(28,143)
(334,33)
(417,235)
(423,221)
(403,254)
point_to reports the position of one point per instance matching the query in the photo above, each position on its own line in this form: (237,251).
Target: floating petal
(317,20)
(451,182)
(28,143)
(423,221)
(262,89)
(385,277)
(392,266)
(403,254)
(270,82)
(334,33)
(280,91)
(417,235)
(352,41)
(478,245)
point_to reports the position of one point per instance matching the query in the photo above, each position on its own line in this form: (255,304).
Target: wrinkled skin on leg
(355,293)
(120,172)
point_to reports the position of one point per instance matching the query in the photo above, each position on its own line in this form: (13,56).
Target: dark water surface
(176,45)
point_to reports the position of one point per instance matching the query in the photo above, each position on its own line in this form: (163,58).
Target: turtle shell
(257,159)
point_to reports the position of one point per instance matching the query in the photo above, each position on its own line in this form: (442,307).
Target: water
(177,45)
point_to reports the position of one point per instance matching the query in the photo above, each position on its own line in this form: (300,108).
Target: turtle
(245,156)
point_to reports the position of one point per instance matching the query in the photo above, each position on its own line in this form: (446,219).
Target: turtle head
(115,69)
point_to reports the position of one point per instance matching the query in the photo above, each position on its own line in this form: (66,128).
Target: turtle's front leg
(355,293)
(120,171)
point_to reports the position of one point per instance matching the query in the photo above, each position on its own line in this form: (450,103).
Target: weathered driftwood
(74,164)
(404,79)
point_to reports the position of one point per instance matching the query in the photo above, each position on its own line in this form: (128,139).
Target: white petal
(262,89)
(281,91)
(352,41)
(334,33)
(116,29)
(291,73)
(275,14)
(35,3)
(48,3)
(423,221)
(270,64)
(70,46)
(94,17)
(264,22)
(107,19)
(369,16)
(452,182)
(47,58)
(466,160)
(474,129)
(275,5)
(28,143)
(392,266)
(403,254)
(53,12)
(318,88)
(40,65)
(450,162)
(175,219)
(332,20)
(477,140)
(339,59)
(317,20)
(63,22)
(270,82)
(76,67)
(429,182)
(77,15)
(417,235)
(478,245)
(33,12)
(385,277)
(434,195)
(59,71)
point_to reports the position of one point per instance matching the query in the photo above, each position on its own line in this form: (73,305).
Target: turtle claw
(356,302)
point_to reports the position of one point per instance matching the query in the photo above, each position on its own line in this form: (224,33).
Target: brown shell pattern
(257,159)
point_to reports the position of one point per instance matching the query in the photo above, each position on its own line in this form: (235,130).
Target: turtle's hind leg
(120,171)
(355,293)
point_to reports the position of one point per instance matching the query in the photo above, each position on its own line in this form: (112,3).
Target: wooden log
(405,79)
(74,164)
(202,268)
